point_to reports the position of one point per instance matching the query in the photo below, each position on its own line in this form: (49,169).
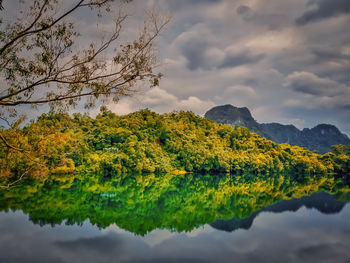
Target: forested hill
(146,142)
(319,138)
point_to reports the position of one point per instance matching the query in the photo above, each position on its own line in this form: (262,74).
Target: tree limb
(27,31)
(9,145)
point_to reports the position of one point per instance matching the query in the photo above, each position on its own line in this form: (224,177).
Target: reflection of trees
(141,203)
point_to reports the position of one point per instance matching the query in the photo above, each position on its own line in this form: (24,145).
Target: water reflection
(173,218)
(322,202)
(142,203)
(301,236)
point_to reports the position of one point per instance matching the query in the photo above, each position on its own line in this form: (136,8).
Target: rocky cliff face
(319,138)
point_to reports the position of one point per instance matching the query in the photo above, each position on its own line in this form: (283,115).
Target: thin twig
(9,185)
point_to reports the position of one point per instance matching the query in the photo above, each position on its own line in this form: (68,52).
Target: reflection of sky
(302,236)
(157,236)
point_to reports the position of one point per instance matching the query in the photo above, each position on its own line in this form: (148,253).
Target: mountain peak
(229,114)
(320,138)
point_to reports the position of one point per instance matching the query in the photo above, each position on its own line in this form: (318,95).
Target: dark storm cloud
(323,94)
(309,83)
(323,57)
(237,59)
(246,12)
(198,57)
(328,54)
(202,51)
(272,20)
(194,51)
(341,74)
(325,9)
(243,9)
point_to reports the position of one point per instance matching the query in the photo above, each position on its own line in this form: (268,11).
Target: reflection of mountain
(322,201)
(144,202)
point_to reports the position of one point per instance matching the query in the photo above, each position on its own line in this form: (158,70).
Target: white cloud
(157,97)
(195,104)
(160,101)
(242,90)
(292,103)
(122,107)
(274,41)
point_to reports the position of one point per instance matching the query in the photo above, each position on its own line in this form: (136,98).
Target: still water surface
(154,220)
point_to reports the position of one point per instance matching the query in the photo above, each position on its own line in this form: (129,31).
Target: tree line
(146,142)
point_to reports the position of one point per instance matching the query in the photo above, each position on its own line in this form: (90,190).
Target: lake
(176,218)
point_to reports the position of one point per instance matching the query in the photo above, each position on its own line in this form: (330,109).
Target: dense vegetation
(130,170)
(146,142)
(142,203)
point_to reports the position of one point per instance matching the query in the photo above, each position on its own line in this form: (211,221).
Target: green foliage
(141,203)
(146,142)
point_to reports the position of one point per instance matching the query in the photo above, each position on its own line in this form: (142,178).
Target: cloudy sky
(288,61)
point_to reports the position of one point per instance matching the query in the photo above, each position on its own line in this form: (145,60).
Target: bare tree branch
(10,185)
(135,58)
(41,62)
(27,31)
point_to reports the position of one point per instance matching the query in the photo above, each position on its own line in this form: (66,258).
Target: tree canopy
(44,59)
(146,142)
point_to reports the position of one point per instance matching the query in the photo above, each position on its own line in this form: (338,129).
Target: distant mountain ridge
(319,138)
(321,201)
